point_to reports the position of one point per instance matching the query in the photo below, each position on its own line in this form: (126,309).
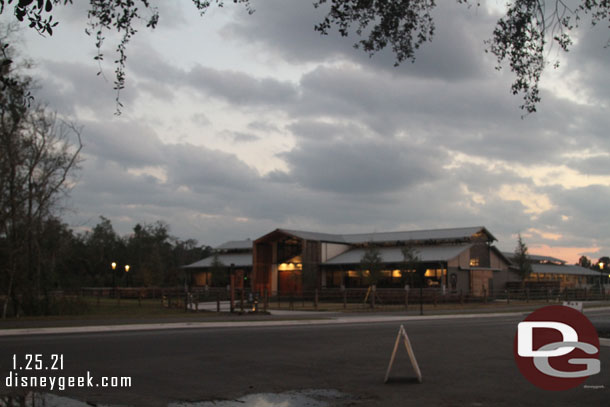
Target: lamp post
(113,265)
(601,270)
(127,275)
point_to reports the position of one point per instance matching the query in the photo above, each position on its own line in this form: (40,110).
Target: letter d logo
(556,348)
(526,338)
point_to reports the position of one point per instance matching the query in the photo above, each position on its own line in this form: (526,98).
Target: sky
(234,125)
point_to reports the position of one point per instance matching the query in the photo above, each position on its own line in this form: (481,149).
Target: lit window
(474,262)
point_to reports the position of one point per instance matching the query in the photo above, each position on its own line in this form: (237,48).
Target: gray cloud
(130,145)
(241,137)
(598,165)
(355,165)
(240,88)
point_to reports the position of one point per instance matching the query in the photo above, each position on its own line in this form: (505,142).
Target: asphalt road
(464,362)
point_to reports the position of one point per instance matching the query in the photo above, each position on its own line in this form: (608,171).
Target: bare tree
(38,154)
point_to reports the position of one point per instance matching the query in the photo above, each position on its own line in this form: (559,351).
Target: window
(474,262)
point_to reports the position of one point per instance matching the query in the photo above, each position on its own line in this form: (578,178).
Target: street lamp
(113,265)
(601,269)
(127,271)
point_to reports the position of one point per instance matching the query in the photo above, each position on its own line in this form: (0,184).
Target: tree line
(67,260)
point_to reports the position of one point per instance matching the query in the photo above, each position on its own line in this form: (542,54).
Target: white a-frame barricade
(402,334)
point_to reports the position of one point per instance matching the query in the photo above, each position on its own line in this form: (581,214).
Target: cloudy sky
(236,124)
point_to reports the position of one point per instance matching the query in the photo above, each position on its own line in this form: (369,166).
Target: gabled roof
(450,234)
(321,237)
(536,258)
(394,254)
(238,259)
(236,244)
(418,235)
(563,269)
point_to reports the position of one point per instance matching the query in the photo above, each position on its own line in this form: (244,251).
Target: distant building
(291,261)
(237,253)
(551,271)
(454,260)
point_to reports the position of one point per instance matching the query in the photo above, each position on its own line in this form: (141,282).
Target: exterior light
(126,268)
(601,265)
(113,265)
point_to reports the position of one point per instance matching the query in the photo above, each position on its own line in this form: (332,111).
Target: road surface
(464,362)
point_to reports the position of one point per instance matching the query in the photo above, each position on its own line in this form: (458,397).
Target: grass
(125,311)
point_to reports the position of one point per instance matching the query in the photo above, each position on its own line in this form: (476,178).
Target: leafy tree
(149,252)
(410,261)
(371,265)
(521,260)
(521,37)
(219,272)
(584,261)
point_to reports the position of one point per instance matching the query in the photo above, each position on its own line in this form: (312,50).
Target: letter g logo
(557,348)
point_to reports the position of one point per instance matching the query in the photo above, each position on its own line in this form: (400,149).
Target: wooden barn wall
(261,259)
(311,264)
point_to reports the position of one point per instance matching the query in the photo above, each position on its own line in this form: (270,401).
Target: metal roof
(236,244)
(238,259)
(322,237)
(417,235)
(394,254)
(379,237)
(563,269)
(535,257)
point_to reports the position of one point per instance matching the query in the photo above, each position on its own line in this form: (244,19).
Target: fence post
(345,298)
(435,298)
(218,301)
(507,296)
(241,300)
(406,299)
(315,299)
(527,295)
(461,298)
(118,296)
(373,296)
(291,302)
(547,295)
(484,295)
(266,300)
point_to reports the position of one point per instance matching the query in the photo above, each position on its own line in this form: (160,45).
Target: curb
(251,324)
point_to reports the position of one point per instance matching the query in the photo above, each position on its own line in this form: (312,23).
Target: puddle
(302,398)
